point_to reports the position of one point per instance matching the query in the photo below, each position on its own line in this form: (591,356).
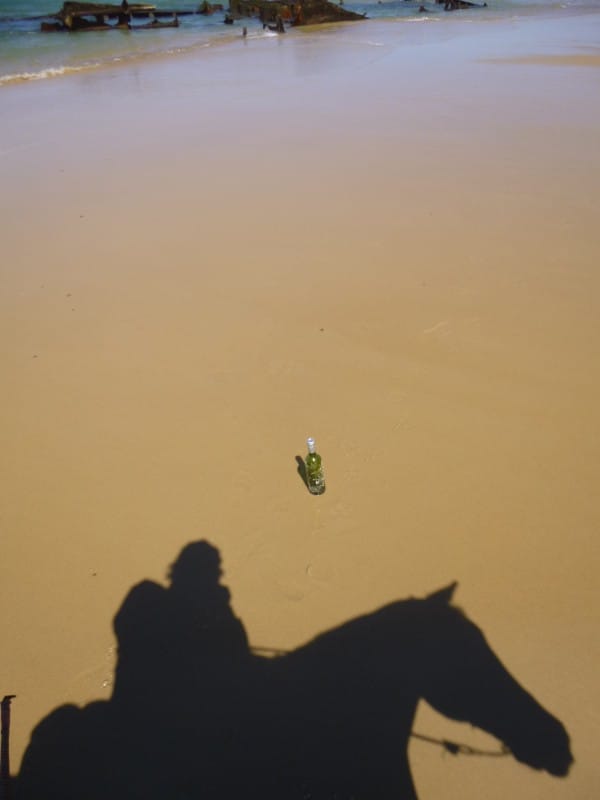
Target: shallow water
(28,54)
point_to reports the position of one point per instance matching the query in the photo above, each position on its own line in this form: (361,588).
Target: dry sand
(381,236)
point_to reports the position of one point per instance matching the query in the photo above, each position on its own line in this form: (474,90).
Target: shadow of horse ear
(444,595)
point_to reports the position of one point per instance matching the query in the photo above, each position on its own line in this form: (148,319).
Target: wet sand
(381,236)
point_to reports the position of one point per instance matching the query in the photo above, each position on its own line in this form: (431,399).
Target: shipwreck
(76,17)
(103,17)
(274,14)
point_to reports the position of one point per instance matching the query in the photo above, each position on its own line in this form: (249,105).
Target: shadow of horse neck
(382,661)
(350,697)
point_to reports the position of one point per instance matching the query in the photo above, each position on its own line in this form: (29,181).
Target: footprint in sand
(320,573)
(441,328)
(99,674)
(290,591)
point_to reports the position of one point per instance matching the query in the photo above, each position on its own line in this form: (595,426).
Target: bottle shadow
(301,469)
(196,713)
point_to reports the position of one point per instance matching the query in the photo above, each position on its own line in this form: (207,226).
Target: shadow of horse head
(196,714)
(351,695)
(471,684)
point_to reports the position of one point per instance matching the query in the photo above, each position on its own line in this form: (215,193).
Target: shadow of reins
(459,749)
(454,748)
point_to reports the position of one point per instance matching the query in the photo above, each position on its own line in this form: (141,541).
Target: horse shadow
(196,713)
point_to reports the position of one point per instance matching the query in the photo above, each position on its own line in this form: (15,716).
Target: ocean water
(28,54)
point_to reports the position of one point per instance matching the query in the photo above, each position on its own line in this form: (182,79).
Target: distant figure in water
(124,15)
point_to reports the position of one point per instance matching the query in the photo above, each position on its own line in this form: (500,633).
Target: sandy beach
(378,235)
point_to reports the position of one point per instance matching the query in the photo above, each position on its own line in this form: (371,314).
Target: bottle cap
(311,444)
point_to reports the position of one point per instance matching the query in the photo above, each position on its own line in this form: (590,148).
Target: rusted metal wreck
(74,16)
(273,14)
(292,12)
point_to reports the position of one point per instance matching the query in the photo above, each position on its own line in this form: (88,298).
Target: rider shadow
(195,713)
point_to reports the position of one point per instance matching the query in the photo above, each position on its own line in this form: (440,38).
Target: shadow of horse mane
(195,713)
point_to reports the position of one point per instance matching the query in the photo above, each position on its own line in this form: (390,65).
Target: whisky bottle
(315,479)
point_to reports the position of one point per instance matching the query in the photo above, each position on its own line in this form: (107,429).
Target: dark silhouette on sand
(196,715)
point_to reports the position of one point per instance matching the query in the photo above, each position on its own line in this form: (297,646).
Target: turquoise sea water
(28,54)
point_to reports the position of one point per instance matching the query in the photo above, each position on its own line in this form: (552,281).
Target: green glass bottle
(315,478)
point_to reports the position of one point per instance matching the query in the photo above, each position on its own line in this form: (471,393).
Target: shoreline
(376,26)
(391,247)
